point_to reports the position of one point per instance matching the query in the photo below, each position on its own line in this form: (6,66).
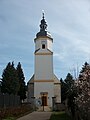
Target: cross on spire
(43,25)
(43,14)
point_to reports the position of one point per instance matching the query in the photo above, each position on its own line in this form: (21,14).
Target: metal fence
(7,100)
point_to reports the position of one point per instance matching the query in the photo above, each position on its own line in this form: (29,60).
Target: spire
(43,25)
(43,28)
(43,14)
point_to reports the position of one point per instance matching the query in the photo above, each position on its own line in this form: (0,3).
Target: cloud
(68,22)
(2,18)
(59,56)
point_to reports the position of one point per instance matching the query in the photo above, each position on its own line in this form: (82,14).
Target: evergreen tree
(66,86)
(69,81)
(10,82)
(0,85)
(71,93)
(22,88)
(63,91)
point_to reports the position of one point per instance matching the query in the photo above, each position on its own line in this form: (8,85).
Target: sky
(68,22)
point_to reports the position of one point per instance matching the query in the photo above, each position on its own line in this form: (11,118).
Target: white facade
(44,85)
(43,77)
(40,41)
(43,67)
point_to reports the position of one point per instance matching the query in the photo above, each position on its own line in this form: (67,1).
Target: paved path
(37,116)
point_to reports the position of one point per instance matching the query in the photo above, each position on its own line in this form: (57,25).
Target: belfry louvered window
(43,46)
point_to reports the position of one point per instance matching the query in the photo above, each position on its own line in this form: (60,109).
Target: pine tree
(66,86)
(0,85)
(10,82)
(63,90)
(71,93)
(22,89)
(69,81)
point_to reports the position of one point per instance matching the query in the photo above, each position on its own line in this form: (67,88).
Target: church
(44,87)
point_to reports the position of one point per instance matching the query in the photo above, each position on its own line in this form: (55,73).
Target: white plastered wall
(43,67)
(49,45)
(57,92)
(39,42)
(44,87)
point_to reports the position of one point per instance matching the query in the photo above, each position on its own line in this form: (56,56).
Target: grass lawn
(60,116)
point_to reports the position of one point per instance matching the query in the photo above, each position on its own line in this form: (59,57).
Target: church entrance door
(44,100)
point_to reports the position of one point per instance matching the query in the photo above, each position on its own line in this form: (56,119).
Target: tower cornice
(51,53)
(43,38)
(44,81)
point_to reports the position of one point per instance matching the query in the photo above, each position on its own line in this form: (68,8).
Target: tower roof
(43,25)
(43,28)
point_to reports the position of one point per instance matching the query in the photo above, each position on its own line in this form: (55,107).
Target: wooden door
(44,100)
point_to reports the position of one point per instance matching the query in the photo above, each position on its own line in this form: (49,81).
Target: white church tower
(44,85)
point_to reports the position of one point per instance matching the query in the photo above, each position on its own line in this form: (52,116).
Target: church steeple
(43,29)
(43,40)
(44,85)
(43,25)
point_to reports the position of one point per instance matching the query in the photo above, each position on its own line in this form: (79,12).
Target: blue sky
(68,22)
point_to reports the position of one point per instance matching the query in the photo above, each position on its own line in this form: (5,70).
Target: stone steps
(46,109)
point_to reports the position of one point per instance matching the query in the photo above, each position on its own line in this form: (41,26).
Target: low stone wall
(59,107)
